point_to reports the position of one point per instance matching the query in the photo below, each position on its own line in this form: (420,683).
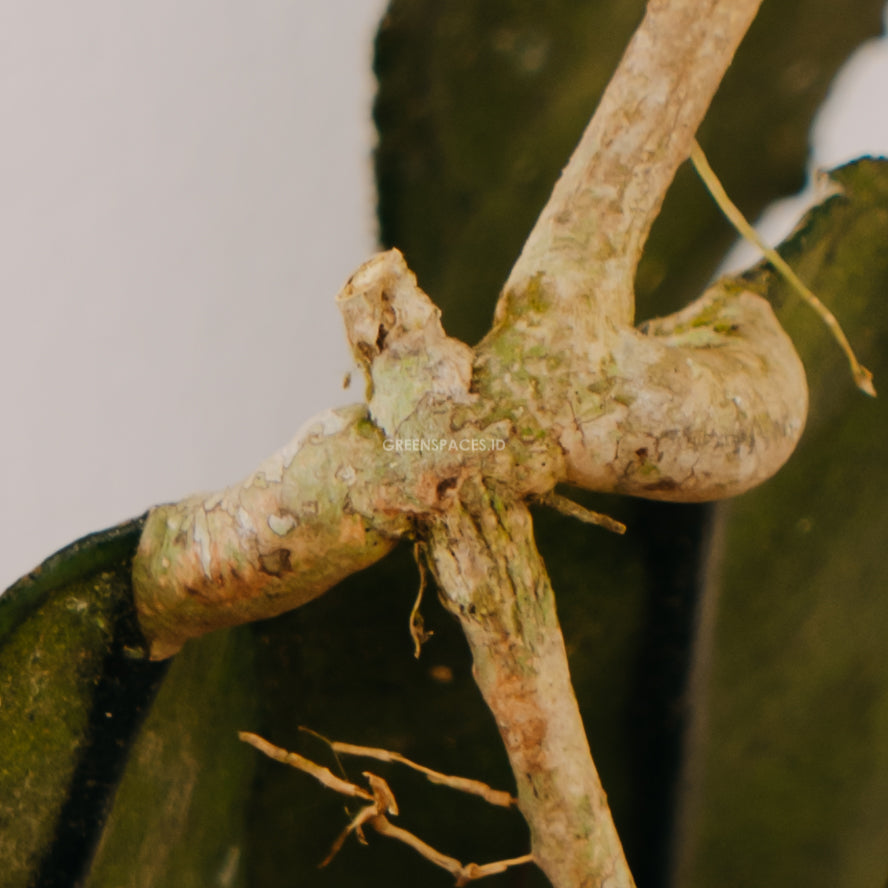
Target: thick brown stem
(494,580)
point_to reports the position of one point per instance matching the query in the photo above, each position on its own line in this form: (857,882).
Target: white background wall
(184,186)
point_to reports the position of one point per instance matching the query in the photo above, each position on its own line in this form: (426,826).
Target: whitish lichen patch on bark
(280,538)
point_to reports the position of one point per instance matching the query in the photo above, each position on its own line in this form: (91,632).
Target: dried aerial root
(382,803)
(323,775)
(464,784)
(418,632)
(863,378)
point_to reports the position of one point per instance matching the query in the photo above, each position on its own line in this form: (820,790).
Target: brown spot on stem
(664,484)
(445,485)
(275,563)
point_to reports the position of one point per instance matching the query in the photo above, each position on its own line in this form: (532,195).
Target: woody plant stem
(700,405)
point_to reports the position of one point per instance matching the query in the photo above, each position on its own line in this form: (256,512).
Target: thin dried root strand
(464,784)
(464,873)
(385,827)
(575,510)
(321,774)
(863,378)
(479,871)
(327,742)
(417,628)
(382,792)
(383,803)
(355,826)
